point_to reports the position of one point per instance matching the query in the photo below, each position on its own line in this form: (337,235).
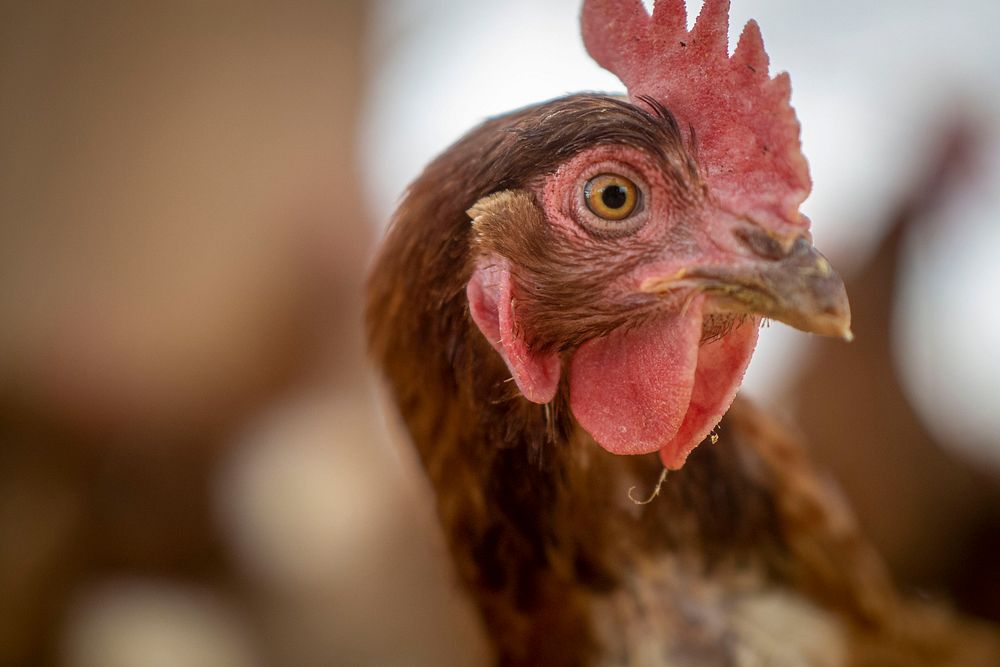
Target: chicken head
(642,240)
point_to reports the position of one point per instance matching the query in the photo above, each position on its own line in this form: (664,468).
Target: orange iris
(611,197)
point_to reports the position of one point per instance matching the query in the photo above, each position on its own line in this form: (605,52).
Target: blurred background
(195,466)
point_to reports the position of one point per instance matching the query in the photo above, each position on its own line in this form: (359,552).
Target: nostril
(802,246)
(764,245)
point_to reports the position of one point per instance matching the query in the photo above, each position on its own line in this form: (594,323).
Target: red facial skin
(660,383)
(651,387)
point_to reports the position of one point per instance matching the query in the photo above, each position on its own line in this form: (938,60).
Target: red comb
(747,133)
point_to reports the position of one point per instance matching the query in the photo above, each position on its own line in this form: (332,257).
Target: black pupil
(614,196)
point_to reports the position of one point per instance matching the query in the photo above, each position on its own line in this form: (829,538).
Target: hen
(584,279)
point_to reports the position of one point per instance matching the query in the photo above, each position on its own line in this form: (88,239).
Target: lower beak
(800,289)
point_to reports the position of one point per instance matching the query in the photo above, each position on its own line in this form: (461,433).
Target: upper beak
(797,287)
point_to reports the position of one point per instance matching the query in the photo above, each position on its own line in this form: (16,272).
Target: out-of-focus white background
(194,468)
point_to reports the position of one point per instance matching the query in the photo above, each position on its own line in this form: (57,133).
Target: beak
(797,287)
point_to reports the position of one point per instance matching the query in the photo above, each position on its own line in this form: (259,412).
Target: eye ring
(611,197)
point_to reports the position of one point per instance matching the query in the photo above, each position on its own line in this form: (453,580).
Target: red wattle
(631,389)
(721,367)
(655,387)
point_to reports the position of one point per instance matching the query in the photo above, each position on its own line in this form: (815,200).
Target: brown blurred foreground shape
(191,466)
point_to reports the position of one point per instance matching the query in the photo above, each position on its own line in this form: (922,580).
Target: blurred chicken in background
(933,513)
(192,468)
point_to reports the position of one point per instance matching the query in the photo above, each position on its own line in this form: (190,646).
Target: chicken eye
(611,197)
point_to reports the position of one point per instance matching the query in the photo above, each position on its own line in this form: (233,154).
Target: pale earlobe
(491,304)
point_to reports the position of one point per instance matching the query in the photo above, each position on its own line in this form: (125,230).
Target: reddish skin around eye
(653,387)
